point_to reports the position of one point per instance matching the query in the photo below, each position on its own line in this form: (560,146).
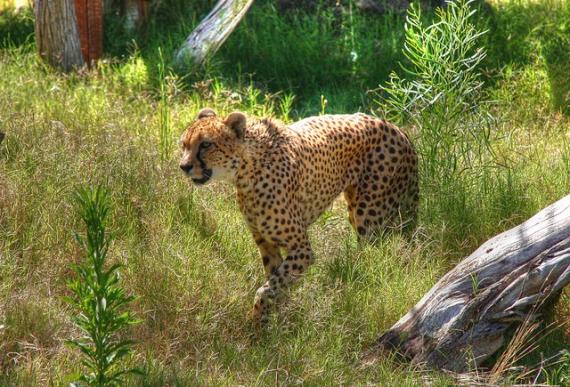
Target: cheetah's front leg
(299,257)
(270,254)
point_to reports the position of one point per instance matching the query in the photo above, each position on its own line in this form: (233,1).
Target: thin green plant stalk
(99,299)
(285,106)
(164,133)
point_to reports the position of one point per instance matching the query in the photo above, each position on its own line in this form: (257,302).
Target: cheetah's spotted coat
(286,176)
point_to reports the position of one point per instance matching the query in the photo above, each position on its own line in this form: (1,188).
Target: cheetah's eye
(205,144)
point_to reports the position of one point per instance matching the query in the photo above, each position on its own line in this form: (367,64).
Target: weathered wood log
(462,320)
(211,33)
(57,36)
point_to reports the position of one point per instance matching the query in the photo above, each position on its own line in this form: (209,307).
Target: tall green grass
(164,134)
(186,251)
(339,55)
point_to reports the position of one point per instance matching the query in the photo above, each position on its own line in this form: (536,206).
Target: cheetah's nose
(186,167)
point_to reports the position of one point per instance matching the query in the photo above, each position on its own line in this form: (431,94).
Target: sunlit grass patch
(187,252)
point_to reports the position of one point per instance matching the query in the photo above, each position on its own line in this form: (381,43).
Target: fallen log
(211,33)
(463,319)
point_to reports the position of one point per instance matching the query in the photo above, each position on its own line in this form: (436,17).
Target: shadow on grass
(338,56)
(16,27)
(519,32)
(341,57)
(308,55)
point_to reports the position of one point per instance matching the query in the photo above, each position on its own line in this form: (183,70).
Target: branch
(211,33)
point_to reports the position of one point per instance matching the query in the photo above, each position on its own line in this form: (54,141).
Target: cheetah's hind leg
(376,209)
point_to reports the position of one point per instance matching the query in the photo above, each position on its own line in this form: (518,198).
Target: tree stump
(211,33)
(462,320)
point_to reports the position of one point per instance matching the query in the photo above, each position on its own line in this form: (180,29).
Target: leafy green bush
(99,298)
(441,93)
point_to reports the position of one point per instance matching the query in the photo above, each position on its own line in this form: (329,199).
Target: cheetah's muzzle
(207,174)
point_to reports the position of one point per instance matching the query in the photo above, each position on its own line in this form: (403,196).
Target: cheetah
(286,176)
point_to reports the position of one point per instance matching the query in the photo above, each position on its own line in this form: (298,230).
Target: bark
(90,23)
(57,35)
(462,320)
(211,33)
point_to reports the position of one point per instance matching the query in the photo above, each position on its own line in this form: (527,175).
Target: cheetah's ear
(206,112)
(236,122)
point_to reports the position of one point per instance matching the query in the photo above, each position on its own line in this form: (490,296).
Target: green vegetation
(186,252)
(99,298)
(439,93)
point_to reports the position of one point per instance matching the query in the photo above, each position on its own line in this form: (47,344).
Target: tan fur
(286,176)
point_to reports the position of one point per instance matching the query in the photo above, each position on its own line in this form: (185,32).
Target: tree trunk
(89,15)
(211,33)
(57,35)
(462,320)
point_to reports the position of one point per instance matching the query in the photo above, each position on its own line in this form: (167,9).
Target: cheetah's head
(211,146)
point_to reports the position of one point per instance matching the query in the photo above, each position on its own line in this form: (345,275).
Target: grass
(187,254)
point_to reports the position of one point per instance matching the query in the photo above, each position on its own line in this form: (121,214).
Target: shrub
(441,94)
(99,298)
